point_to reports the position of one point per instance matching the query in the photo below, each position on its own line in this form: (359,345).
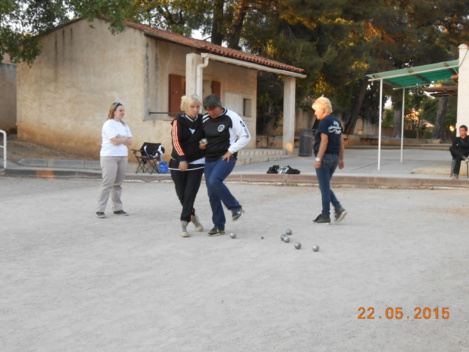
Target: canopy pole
(380,122)
(402,125)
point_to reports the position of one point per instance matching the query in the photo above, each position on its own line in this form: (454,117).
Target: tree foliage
(337,42)
(22,22)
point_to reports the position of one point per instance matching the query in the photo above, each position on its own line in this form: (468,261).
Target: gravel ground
(72,282)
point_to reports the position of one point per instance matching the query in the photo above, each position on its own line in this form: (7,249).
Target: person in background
(460,150)
(225,134)
(116,137)
(187,159)
(330,152)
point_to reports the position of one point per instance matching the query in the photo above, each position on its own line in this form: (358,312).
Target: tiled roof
(209,47)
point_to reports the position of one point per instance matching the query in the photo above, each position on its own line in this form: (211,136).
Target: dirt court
(72,282)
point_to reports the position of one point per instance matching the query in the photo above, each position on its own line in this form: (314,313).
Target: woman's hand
(203,143)
(227,156)
(183,165)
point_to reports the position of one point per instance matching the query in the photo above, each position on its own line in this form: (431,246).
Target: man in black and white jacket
(225,134)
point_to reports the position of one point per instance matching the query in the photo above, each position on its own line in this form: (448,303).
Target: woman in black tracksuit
(187,159)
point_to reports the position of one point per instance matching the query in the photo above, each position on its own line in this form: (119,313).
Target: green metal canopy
(418,75)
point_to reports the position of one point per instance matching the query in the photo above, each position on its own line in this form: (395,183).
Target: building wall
(238,88)
(64,97)
(7,95)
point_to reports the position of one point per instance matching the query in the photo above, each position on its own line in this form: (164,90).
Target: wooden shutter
(216,88)
(177,88)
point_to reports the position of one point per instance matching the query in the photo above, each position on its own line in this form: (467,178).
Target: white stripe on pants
(113,169)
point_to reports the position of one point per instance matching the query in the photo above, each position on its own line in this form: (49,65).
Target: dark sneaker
(237,214)
(121,212)
(216,232)
(340,213)
(321,219)
(100,214)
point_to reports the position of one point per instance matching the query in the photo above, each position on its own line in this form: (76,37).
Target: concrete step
(245,156)
(259,159)
(251,156)
(61,164)
(261,152)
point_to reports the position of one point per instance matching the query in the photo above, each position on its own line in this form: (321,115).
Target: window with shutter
(177,88)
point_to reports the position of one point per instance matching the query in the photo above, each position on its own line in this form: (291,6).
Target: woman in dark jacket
(330,152)
(187,159)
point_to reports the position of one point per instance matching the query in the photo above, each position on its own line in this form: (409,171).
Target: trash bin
(306,142)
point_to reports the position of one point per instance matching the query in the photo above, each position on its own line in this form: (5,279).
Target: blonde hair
(188,100)
(112,110)
(322,103)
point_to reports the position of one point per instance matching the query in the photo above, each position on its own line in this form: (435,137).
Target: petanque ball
(282,237)
(289,232)
(286,239)
(297,245)
(233,234)
(315,248)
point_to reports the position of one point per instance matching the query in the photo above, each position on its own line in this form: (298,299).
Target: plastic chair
(149,157)
(462,162)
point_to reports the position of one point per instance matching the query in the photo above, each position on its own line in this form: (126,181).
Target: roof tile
(209,47)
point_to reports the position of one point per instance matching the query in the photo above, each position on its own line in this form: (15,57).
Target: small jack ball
(315,248)
(233,234)
(262,237)
(286,239)
(288,232)
(297,245)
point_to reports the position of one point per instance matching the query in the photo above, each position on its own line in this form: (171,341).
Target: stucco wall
(7,96)
(237,83)
(64,97)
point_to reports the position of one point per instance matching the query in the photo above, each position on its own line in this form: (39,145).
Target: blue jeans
(215,173)
(324,173)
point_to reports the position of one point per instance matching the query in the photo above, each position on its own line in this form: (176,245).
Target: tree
(439,130)
(336,42)
(22,22)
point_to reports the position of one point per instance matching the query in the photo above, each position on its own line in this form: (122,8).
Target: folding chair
(149,157)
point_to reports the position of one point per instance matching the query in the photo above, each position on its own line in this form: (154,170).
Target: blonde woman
(187,160)
(329,151)
(116,137)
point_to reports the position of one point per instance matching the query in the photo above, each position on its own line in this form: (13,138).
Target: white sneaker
(184,232)
(197,224)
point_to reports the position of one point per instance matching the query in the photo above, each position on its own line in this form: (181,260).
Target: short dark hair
(212,101)
(463,126)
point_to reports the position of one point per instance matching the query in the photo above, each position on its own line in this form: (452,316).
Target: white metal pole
(402,125)
(380,123)
(4,148)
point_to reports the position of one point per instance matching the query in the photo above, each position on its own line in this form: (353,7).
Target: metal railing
(4,148)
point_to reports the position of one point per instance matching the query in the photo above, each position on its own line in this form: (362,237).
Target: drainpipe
(200,76)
